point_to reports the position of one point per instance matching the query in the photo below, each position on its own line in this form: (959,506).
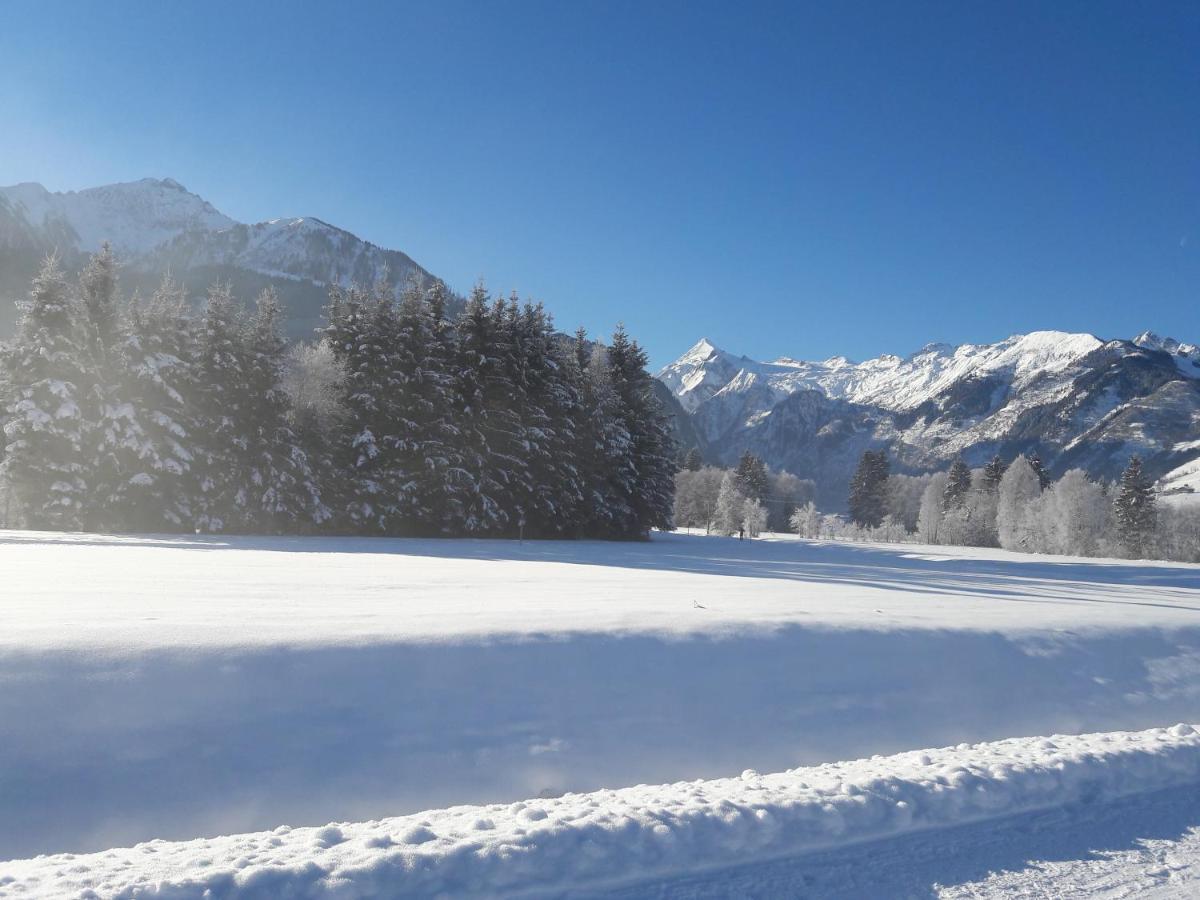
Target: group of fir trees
(145,415)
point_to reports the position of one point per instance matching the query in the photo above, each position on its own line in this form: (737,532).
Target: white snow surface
(613,837)
(175,687)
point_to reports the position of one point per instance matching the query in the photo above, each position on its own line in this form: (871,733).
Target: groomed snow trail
(180,687)
(605,838)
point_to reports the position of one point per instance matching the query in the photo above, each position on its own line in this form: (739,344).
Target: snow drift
(582,841)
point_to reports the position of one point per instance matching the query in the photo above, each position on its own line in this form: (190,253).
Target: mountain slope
(156,226)
(1075,399)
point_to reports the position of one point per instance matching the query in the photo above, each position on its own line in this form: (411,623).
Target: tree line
(747,499)
(400,419)
(1016,506)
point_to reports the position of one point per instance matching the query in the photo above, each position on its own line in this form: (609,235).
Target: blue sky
(786,179)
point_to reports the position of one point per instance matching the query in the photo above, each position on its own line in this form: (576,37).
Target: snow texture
(176,687)
(606,838)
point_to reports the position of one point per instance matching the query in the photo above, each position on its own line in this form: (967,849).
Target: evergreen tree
(151,431)
(603,446)
(992,473)
(958,485)
(47,437)
(751,475)
(1039,468)
(868,490)
(652,499)
(1134,510)
(221,467)
(482,391)
(282,492)
(692,461)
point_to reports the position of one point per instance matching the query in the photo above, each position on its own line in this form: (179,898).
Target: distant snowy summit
(1076,399)
(157,225)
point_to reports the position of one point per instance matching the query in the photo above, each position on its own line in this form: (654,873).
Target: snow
(135,217)
(888,381)
(608,838)
(175,687)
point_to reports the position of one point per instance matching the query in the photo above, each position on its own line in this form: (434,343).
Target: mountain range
(1075,399)
(157,226)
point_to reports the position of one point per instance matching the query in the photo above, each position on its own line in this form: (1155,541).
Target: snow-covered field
(184,688)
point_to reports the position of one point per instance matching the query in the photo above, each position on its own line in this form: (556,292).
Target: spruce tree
(1039,467)
(652,498)
(992,473)
(692,461)
(480,386)
(751,475)
(221,465)
(1134,510)
(603,446)
(283,494)
(958,485)
(153,366)
(868,490)
(47,436)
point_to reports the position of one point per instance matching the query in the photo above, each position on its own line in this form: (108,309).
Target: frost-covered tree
(1017,520)
(754,517)
(785,493)
(696,496)
(729,516)
(904,493)
(692,461)
(1134,510)
(806,521)
(868,489)
(47,437)
(929,521)
(1075,514)
(1035,463)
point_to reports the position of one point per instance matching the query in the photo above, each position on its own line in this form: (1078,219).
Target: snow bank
(614,837)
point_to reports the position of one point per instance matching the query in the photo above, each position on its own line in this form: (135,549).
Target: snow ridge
(621,836)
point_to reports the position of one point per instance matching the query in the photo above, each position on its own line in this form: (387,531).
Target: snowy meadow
(181,687)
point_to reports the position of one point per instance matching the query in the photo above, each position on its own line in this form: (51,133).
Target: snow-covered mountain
(1076,399)
(156,225)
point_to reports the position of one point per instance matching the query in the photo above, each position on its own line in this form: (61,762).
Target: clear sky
(802,179)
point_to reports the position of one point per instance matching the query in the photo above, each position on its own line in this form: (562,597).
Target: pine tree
(692,461)
(1134,510)
(868,490)
(958,485)
(1039,467)
(992,473)
(47,436)
(751,475)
